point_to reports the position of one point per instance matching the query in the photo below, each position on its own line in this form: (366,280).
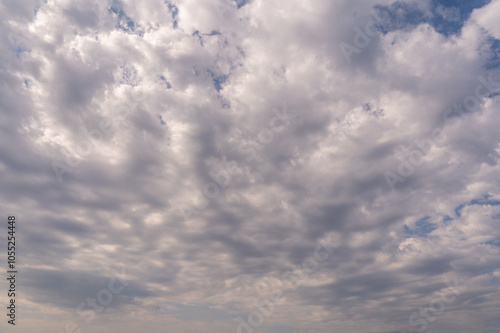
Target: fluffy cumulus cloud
(252,166)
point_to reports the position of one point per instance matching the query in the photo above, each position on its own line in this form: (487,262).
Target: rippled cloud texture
(248,166)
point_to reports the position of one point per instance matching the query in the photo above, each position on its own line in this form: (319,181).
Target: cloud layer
(205,149)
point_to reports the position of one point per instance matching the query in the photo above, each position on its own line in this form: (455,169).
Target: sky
(251,166)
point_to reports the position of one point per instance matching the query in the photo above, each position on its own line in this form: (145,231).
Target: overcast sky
(252,166)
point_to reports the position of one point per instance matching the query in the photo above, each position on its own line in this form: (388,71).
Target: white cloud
(487,18)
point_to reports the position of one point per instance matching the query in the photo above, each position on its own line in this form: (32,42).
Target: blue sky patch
(448,16)
(241,3)
(493,243)
(399,16)
(162,122)
(165,82)
(218,80)
(485,200)
(422,227)
(174,12)
(124,22)
(494,61)
(447,219)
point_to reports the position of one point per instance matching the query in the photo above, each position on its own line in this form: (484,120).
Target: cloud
(484,17)
(207,148)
